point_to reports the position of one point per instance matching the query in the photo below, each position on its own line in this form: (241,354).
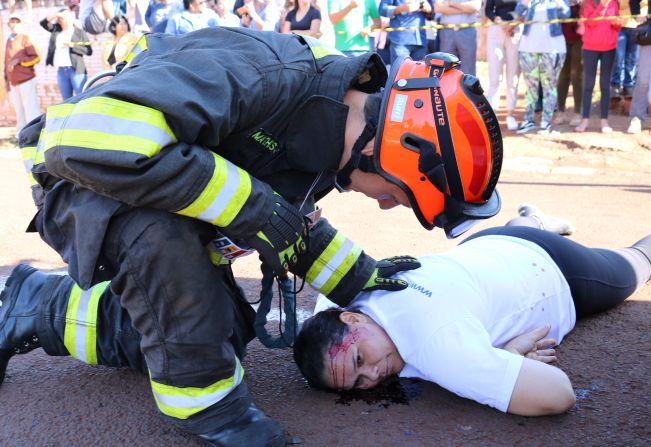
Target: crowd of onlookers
(523,42)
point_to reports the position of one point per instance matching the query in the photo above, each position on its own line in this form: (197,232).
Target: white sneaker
(545,128)
(547,222)
(635,126)
(511,123)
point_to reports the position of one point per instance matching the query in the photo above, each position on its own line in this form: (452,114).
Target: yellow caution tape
(512,23)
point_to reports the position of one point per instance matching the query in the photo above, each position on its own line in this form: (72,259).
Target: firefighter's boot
(19,310)
(252,428)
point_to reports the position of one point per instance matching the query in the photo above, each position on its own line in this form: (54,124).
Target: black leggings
(599,278)
(590,61)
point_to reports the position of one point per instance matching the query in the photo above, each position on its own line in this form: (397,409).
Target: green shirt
(348,35)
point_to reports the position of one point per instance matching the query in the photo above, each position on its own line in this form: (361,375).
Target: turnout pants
(191,322)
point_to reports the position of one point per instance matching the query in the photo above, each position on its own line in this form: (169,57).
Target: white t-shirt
(462,306)
(62,53)
(539,39)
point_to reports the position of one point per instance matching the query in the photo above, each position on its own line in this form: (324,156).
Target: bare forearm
(540,390)
(338,16)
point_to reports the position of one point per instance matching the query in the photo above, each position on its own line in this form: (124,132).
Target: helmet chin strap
(356,161)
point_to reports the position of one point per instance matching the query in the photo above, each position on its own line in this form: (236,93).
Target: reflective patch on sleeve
(28,153)
(138,48)
(107,124)
(223,197)
(80,333)
(181,403)
(319,50)
(333,264)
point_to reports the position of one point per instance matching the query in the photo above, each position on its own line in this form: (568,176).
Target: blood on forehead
(342,348)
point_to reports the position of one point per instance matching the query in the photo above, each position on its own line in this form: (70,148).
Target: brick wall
(48,91)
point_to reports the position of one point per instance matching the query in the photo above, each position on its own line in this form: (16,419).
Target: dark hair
(114,23)
(317,334)
(372,107)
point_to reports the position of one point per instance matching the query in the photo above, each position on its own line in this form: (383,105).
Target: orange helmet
(438,139)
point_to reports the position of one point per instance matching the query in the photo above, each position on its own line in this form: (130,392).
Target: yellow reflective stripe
(138,48)
(28,153)
(59,111)
(333,264)
(319,50)
(224,195)
(80,332)
(89,139)
(181,403)
(108,124)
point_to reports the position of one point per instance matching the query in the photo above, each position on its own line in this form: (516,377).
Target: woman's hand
(534,345)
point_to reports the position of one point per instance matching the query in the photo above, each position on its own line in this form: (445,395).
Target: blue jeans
(416,52)
(70,83)
(463,44)
(626,59)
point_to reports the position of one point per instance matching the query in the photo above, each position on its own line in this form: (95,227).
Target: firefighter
(228,132)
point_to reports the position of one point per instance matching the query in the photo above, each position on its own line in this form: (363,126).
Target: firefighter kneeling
(134,180)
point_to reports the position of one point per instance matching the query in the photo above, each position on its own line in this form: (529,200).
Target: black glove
(380,279)
(282,238)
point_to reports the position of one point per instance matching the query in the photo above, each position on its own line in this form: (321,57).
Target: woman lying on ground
(480,320)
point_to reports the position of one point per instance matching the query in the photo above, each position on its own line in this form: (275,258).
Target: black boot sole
(7,303)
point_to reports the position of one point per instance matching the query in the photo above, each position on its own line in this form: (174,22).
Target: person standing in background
(502,41)
(460,41)
(303,19)
(628,52)
(261,15)
(125,40)
(65,54)
(410,14)
(351,20)
(641,93)
(572,71)
(194,16)
(599,47)
(542,52)
(225,16)
(20,76)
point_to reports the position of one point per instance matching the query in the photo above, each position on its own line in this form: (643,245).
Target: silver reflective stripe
(29,164)
(333,264)
(108,124)
(40,147)
(81,324)
(204,400)
(226,193)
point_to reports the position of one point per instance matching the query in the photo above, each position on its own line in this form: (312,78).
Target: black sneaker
(615,91)
(627,92)
(526,126)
